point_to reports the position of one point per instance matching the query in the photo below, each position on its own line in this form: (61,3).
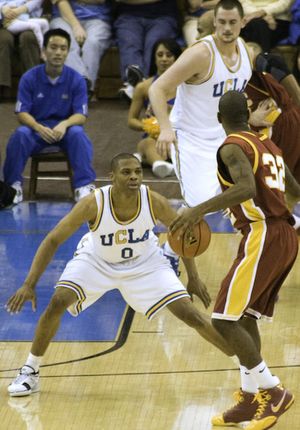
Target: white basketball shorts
(195,164)
(147,286)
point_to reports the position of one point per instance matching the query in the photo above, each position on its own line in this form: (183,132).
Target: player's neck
(228,50)
(124,199)
(237,129)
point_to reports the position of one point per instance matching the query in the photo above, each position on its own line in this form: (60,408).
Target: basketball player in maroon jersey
(253,176)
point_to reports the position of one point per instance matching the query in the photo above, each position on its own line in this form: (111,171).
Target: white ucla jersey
(196,105)
(115,241)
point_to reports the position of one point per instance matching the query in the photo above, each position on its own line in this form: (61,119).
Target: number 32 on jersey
(276,166)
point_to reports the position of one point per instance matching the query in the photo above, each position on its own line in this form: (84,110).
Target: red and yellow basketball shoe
(272,403)
(243,411)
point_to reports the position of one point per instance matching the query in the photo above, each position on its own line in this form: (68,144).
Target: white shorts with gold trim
(147,286)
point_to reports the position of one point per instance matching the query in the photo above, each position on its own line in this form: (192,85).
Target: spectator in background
(7,193)
(294,37)
(26,45)
(266,21)
(138,25)
(21,17)
(294,28)
(52,108)
(196,14)
(89,24)
(164,54)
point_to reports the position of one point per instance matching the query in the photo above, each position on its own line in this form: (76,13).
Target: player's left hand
(196,287)
(188,218)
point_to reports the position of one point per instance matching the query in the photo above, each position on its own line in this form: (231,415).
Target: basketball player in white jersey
(202,74)
(120,251)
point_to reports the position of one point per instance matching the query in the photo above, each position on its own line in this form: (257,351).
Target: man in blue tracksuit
(52,108)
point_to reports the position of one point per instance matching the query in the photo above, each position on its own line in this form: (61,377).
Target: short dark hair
(114,164)
(56,32)
(171,45)
(233,108)
(228,5)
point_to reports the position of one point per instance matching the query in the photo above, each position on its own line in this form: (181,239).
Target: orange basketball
(193,242)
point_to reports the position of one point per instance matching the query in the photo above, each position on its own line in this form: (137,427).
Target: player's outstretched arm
(193,63)
(166,214)
(83,211)
(195,286)
(244,188)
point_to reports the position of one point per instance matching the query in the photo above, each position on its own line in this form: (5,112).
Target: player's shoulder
(203,48)
(156,198)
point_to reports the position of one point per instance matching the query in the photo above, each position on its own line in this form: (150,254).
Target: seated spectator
(7,193)
(196,19)
(26,45)
(89,25)
(25,15)
(266,22)
(294,28)
(52,108)
(138,25)
(165,52)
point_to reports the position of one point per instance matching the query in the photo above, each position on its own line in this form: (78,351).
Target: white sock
(34,362)
(248,383)
(297,222)
(263,377)
(169,251)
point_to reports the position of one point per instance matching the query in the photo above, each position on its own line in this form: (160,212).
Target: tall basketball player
(202,74)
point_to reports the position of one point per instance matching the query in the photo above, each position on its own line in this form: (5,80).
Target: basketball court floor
(111,369)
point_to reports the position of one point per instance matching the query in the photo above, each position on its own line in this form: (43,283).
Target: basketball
(193,242)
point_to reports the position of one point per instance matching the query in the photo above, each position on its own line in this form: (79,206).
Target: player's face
(228,25)
(128,175)
(56,51)
(163,59)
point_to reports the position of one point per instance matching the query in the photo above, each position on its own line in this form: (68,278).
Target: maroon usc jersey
(269,171)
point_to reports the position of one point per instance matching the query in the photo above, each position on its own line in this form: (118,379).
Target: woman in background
(140,116)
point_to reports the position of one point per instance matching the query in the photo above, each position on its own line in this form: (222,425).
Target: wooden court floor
(163,377)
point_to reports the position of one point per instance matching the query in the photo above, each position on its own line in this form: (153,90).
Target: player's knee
(222,326)
(192,318)
(59,303)
(75,130)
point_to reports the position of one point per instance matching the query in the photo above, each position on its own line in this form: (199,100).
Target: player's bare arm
(192,66)
(84,211)
(292,189)
(165,213)
(243,189)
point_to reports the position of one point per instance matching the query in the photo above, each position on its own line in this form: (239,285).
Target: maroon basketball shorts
(265,256)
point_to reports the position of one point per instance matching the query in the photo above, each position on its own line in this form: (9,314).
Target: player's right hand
(17,300)
(163,144)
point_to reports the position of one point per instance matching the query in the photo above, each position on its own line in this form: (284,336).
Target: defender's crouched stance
(120,251)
